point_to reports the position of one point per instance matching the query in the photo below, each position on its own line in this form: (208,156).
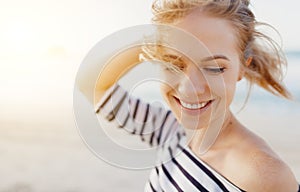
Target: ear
(242,68)
(248,61)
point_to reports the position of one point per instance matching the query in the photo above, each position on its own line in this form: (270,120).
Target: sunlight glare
(20,38)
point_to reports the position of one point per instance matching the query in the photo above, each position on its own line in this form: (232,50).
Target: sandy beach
(41,149)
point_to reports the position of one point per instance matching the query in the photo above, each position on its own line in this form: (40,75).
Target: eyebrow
(214,57)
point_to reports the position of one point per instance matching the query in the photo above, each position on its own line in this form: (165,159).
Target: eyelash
(177,64)
(212,71)
(216,70)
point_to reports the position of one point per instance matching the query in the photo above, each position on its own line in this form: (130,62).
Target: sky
(283,15)
(42,42)
(36,27)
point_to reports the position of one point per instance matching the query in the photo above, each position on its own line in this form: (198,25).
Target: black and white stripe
(154,124)
(178,169)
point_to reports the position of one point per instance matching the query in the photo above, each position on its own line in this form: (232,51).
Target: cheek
(230,86)
(230,91)
(167,93)
(170,77)
(164,89)
(169,81)
(223,86)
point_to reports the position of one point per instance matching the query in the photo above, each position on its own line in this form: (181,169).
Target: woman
(199,94)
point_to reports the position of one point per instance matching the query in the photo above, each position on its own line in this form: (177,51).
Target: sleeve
(154,125)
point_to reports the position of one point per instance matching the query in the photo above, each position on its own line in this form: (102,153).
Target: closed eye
(215,70)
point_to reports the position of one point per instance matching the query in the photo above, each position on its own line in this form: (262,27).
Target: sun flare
(20,38)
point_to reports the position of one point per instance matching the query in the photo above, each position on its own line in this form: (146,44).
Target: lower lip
(195,111)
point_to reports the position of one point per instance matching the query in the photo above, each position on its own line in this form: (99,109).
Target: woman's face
(202,91)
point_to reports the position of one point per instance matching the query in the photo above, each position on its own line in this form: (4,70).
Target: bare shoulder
(263,170)
(269,173)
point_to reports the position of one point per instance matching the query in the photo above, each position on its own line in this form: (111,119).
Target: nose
(193,83)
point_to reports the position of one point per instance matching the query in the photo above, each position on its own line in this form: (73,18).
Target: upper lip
(192,102)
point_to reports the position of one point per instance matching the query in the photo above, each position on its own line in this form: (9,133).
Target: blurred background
(42,44)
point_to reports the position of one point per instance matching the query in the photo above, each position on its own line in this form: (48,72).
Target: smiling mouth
(194,106)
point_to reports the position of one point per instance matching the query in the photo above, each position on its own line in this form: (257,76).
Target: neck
(212,137)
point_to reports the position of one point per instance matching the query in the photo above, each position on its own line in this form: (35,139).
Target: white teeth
(193,106)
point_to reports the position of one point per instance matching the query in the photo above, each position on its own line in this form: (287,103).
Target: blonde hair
(267,61)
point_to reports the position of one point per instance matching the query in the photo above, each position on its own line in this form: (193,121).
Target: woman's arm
(115,69)
(154,124)
(94,78)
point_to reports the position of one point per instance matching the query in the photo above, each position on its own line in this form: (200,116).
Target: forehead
(217,34)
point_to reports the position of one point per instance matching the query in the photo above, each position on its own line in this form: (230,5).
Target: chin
(194,123)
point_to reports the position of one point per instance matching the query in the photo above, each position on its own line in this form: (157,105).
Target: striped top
(177,167)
